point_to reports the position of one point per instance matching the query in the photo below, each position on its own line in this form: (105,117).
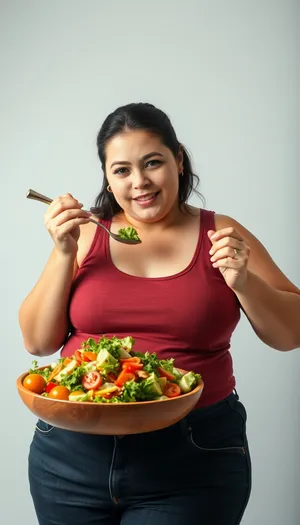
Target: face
(143,175)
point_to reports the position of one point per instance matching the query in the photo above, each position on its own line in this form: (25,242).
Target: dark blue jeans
(196,472)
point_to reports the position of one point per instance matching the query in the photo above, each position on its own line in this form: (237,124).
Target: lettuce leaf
(73,381)
(152,363)
(45,373)
(113,345)
(129,233)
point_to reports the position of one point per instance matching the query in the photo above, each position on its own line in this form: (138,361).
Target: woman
(179,294)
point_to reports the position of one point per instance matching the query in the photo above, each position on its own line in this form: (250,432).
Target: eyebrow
(152,154)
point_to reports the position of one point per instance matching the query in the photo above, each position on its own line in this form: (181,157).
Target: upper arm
(260,261)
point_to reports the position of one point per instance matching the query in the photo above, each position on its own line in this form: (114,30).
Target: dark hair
(146,117)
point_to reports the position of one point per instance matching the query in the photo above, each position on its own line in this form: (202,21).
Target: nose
(139,180)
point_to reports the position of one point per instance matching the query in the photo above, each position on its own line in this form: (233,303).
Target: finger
(65,197)
(227,241)
(68,215)
(210,233)
(225,232)
(229,262)
(228,251)
(60,232)
(60,204)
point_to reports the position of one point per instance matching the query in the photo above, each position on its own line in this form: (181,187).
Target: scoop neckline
(167,277)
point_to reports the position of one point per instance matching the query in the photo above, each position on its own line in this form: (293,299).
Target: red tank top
(189,316)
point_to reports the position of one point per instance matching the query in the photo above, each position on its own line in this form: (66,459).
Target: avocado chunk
(105,358)
(152,386)
(188,382)
(123,354)
(162,381)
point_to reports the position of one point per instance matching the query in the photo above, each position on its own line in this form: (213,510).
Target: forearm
(274,314)
(43,316)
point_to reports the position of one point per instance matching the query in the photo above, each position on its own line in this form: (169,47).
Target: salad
(129,233)
(109,371)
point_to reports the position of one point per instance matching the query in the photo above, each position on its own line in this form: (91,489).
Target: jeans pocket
(230,449)
(43,428)
(221,430)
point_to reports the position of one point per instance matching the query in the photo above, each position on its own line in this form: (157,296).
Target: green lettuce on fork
(129,233)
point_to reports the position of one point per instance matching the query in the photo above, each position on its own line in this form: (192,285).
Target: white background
(226,72)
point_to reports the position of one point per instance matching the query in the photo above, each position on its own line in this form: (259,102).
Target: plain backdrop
(227,74)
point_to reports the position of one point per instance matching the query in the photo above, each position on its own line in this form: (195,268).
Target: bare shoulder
(87,233)
(260,261)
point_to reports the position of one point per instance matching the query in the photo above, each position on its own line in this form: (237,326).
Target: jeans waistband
(210,410)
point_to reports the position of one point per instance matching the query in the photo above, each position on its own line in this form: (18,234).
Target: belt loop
(233,398)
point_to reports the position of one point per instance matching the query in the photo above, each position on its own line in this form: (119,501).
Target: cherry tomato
(164,373)
(50,386)
(59,392)
(124,377)
(91,380)
(89,356)
(172,390)
(35,382)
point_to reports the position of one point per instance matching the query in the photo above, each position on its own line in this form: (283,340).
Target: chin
(148,216)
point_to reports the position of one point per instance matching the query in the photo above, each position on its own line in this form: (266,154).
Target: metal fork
(34,195)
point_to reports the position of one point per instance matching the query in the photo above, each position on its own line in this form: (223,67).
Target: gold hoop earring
(109,189)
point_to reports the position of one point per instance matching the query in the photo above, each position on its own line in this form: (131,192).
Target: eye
(152,163)
(121,171)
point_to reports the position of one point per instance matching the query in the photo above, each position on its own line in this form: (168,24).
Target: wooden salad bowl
(110,418)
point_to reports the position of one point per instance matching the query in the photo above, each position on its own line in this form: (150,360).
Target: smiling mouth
(146,197)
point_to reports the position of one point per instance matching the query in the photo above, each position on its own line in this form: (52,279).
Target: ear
(180,159)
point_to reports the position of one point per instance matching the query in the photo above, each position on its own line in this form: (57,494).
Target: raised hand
(62,220)
(230,254)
